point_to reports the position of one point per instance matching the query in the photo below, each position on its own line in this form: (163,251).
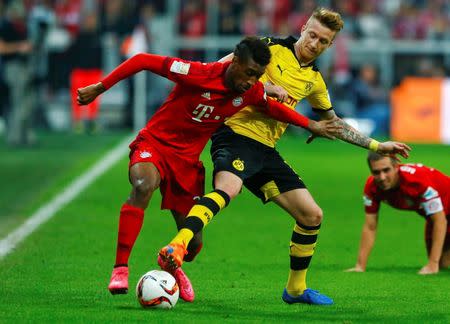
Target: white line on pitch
(47,211)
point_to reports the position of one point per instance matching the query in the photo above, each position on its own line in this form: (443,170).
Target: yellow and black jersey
(299,81)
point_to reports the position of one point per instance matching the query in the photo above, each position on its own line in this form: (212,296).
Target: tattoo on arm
(347,133)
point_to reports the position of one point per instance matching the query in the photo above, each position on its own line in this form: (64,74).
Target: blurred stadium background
(369,70)
(386,73)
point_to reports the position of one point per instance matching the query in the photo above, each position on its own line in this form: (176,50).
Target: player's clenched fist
(88,94)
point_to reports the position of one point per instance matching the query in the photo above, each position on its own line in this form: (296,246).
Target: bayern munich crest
(145,154)
(237,101)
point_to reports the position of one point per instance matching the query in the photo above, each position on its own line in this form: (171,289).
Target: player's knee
(231,190)
(144,186)
(228,183)
(313,217)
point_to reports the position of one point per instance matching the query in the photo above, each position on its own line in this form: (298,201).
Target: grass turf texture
(60,273)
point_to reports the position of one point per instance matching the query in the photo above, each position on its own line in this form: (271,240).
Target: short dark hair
(255,48)
(373,156)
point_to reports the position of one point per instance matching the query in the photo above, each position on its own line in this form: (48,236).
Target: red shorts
(182,180)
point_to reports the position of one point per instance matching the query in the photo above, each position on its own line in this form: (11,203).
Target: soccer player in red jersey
(165,154)
(410,187)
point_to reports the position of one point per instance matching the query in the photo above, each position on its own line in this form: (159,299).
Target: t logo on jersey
(203,111)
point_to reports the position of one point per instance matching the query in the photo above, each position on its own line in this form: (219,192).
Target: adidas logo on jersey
(207,95)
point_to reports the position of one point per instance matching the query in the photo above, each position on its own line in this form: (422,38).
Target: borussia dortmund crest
(238,164)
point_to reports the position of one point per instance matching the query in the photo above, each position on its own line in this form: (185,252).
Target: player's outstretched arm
(139,62)
(278,111)
(143,61)
(437,242)
(368,236)
(353,136)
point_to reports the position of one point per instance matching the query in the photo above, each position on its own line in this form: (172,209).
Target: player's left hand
(393,149)
(276,91)
(430,268)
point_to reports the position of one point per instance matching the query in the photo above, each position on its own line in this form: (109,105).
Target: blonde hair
(329,18)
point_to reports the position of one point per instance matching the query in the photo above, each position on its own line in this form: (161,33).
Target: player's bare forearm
(350,135)
(367,241)
(368,235)
(437,242)
(347,133)
(438,236)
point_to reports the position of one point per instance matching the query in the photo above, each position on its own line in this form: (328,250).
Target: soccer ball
(157,289)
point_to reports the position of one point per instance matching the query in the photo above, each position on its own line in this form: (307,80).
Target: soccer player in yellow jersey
(243,152)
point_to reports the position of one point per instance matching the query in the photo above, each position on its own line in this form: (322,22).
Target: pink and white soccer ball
(157,289)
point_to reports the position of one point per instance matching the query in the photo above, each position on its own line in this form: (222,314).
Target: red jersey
(198,104)
(422,189)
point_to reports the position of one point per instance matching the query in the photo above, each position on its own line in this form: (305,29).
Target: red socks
(130,224)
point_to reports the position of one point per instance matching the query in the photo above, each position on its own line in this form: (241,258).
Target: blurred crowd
(380,19)
(48,46)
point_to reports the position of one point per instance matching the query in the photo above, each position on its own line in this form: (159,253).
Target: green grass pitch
(60,273)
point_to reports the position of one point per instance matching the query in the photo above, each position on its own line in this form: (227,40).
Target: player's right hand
(88,94)
(326,128)
(394,148)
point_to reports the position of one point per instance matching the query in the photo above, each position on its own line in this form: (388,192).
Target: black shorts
(262,169)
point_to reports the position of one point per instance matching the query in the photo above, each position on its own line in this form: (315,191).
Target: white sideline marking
(47,211)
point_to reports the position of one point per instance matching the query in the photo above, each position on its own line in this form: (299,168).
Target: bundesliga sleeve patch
(180,67)
(367,201)
(432,206)
(430,193)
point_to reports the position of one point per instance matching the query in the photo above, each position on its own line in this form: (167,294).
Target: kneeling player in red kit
(410,187)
